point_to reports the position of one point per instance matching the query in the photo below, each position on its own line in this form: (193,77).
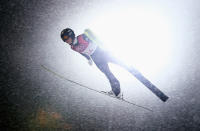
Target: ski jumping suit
(101,58)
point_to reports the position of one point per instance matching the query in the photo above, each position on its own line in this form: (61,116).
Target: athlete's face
(68,39)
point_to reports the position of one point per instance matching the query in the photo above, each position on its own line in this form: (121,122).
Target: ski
(149,85)
(100,92)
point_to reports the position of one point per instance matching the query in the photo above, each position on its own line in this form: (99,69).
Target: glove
(90,62)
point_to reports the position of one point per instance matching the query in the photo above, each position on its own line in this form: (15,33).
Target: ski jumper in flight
(92,52)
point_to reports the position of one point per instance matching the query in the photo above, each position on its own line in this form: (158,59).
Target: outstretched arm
(90,62)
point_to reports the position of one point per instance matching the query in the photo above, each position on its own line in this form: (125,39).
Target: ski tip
(164,99)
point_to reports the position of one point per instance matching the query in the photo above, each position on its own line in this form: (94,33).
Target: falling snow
(33,99)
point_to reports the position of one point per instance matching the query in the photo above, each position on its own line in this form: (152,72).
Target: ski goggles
(65,38)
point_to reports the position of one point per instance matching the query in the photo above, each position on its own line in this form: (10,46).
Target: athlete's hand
(90,62)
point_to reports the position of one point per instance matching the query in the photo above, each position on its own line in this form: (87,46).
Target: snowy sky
(164,35)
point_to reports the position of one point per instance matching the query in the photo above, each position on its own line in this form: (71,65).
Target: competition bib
(84,45)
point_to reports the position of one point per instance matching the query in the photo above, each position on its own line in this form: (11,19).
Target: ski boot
(112,94)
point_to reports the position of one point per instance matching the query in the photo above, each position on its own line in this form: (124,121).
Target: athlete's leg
(115,85)
(114,60)
(100,60)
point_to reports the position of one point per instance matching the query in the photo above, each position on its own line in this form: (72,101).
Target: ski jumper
(101,58)
(86,45)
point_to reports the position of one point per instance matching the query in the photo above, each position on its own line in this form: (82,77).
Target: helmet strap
(74,41)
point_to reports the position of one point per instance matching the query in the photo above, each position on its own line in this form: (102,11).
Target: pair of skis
(138,76)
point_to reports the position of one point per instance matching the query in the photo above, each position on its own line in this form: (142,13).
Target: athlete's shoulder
(84,37)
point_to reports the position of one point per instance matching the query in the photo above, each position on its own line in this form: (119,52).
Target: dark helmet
(67,32)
